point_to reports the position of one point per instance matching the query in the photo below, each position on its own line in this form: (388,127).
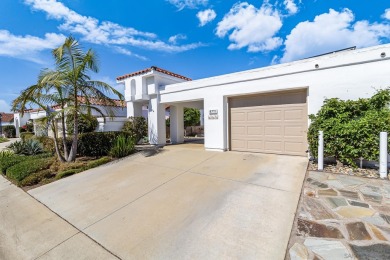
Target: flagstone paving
(341,217)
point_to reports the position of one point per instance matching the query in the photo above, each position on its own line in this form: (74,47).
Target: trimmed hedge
(27,135)
(21,170)
(98,144)
(47,143)
(90,165)
(7,162)
(36,178)
(9,131)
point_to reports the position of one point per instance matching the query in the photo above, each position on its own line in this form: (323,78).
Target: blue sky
(195,38)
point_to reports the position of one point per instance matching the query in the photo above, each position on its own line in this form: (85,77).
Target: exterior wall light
(383,54)
(317,66)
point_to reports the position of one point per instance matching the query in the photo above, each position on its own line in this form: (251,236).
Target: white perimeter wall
(346,75)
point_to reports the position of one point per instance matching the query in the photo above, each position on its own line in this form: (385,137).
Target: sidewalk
(5,144)
(28,230)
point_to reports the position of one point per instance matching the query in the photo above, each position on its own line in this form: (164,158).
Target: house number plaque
(213,114)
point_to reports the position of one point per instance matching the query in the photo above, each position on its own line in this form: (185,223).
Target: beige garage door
(272,123)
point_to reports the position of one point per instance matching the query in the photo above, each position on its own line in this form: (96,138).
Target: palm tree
(70,87)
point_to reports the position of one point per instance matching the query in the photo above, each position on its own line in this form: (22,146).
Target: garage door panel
(273,115)
(255,130)
(238,116)
(255,116)
(270,123)
(273,146)
(255,144)
(293,131)
(294,115)
(239,144)
(273,130)
(237,130)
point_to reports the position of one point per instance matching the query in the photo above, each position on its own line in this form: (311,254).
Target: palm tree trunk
(64,135)
(73,150)
(59,155)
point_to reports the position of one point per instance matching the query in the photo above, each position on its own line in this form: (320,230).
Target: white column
(201,117)
(134,109)
(215,126)
(383,155)
(320,150)
(156,122)
(177,124)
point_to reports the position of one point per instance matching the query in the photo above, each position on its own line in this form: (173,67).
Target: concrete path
(29,230)
(184,203)
(5,144)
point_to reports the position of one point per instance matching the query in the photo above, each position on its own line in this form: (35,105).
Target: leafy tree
(9,131)
(191,117)
(70,88)
(87,124)
(137,127)
(351,127)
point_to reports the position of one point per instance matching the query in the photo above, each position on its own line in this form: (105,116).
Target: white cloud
(4,106)
(192,4)
(386,15)
(173,39)
(27,47)
(206,16)
(105,32)
(290,6)
(332,31)
(251,27)
(128,53)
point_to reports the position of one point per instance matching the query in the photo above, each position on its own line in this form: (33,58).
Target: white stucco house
(106,123)
(259,110)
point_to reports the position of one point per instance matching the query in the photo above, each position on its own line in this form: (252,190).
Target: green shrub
(3,140)
(92,164)
(123,146)
(86,124)
(10,161)
(32,147)
(67,173)
(26,135)
(7,162)
(98,162)
(137,127)
(351,128)
(191,117)
(17,147)
(97,144)
(28,147)
(36,178)
(47,143)
(9,131)
(6,153)
(23,169)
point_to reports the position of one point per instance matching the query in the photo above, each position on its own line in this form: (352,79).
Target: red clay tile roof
(94,101)
(151,69)
(7,117)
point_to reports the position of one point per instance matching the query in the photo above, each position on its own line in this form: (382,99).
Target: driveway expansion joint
(238,181)
(145,194)
(79,231)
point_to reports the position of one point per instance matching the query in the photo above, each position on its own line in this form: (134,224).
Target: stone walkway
(342,217)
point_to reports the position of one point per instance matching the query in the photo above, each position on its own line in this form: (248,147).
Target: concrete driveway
(184,203)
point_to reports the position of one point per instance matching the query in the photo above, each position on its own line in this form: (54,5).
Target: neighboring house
(7,119)
(259,110)
(106,123)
